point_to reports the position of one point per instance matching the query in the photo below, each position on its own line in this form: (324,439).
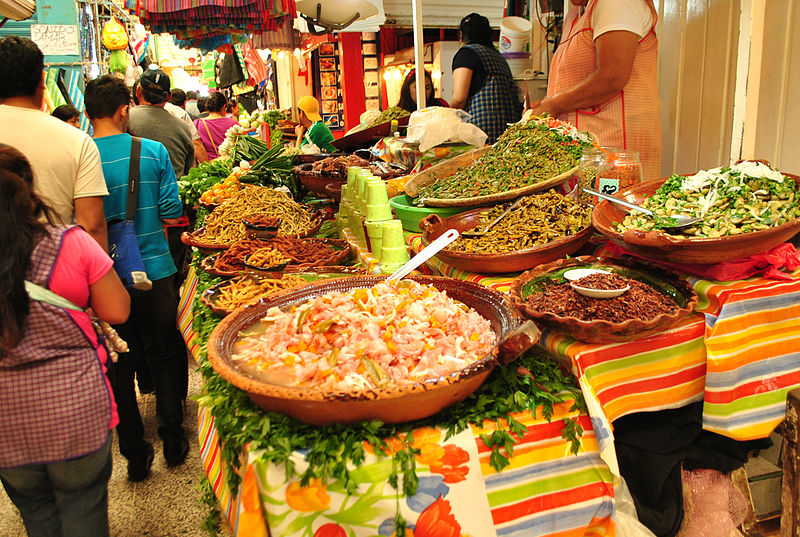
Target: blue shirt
(158,197)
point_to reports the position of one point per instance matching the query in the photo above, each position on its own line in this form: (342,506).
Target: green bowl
(410,215)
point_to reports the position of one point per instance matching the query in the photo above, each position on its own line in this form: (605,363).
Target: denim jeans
(63,499)
(152,324)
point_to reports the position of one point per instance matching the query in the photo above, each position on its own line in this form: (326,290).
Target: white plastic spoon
(426,253)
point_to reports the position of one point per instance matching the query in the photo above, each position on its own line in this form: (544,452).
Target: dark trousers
(152,324)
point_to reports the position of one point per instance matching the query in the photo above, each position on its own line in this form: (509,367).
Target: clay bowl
(310,274)
(604,331)
(315,181)
(334,191)
(433,226)
(194,238)
(665,247)
(394,404)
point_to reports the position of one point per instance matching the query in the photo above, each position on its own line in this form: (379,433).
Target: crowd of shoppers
(59,394)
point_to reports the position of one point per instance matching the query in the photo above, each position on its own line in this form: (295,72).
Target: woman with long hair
(212,128)
(56,404)
(408,93)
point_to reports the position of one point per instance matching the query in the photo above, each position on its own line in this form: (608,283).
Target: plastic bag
(435,125)
(114,35)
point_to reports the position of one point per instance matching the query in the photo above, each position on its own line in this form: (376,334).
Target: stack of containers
(378,212)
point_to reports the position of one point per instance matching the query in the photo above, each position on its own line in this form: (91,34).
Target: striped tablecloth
(740,357)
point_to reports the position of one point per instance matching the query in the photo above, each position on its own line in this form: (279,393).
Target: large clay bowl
(665,247)
(433,226)
(316,181)
(601,331)
(395,404)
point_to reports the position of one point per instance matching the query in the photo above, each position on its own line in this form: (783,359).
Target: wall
(698,42)
(777,137)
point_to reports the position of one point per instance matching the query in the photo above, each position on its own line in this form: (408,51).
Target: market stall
(715,343)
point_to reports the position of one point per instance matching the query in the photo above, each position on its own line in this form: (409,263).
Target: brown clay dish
(433,226)
(662,246)
(195,238)
(602,331)
(364,138)
(311,273)
(396,404)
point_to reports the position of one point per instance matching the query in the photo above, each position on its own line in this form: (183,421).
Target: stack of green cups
(355,217)
(341,215)
(348,196)
(378,212)
(393,247)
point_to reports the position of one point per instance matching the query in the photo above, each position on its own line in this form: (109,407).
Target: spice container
(621,170)
(592,160)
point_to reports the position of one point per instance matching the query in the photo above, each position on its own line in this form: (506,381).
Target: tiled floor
(165,505)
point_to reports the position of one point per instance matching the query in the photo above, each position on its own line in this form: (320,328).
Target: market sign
(56,39)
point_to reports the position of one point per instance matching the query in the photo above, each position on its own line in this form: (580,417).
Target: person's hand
(539,108)
(299,131)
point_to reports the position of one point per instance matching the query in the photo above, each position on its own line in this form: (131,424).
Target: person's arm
(89,214)
(299,131)
(615,53)
(170,207)
(109,300)
(200,153)
(462,78)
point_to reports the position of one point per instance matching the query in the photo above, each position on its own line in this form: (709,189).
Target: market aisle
(165,505)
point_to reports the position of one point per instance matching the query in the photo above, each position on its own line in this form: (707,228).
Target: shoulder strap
(133,177)
(42,294)
(210,138)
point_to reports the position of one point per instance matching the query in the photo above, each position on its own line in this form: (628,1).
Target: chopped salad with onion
(736,199)
(390,334)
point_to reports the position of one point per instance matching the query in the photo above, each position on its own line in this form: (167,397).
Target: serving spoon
(680,220)
(491,224)
(426,253)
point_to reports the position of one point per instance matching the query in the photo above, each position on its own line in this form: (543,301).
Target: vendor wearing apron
(482,82)
(604,77)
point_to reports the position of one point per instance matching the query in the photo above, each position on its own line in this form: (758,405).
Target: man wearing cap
(150,120)
(311,129)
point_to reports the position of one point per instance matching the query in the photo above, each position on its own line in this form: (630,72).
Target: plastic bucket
(515,34)
(518,62)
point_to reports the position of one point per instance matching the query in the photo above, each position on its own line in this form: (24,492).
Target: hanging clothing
(630,119)
(497,103)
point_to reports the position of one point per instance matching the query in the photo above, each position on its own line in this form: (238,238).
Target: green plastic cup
(393,244)
(352,176)
(375,235)
(378,208)
(360,198)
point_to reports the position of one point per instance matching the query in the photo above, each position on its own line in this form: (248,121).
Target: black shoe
(175,452)
(139,466)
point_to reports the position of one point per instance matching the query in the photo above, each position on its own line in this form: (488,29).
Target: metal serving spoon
(681,221)
(491,224)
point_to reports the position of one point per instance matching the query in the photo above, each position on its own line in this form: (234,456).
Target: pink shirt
(82,262)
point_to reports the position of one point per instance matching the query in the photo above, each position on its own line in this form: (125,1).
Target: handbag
(123,246)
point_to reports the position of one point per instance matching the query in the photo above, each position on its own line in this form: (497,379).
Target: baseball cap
(310,106)
(155,80)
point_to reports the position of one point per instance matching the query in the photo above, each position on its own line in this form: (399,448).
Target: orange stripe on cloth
(755,387)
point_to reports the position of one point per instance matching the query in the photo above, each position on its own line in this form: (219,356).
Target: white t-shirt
(613,15)
(65,161)
(184,116)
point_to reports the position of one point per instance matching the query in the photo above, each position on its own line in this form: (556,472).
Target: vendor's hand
(299,131)
(541,107)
